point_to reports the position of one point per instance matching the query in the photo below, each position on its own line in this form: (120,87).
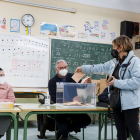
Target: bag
(115,94)
(115,99)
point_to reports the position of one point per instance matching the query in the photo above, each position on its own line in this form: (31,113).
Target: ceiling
(125,5)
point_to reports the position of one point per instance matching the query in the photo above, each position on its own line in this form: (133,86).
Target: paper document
(16,104)
(77,76)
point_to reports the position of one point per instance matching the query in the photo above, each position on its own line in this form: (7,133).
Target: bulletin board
(25,60)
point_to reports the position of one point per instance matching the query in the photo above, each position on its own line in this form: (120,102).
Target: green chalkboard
(78,53)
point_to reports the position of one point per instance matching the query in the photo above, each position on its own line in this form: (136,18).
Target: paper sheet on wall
(82,35)
(67,31)
(26,31)
(94,36)
(96,26)
(3,23)
(103,36)
(15,25)
(25,60)
(48,29)
(112,36)
(105,24)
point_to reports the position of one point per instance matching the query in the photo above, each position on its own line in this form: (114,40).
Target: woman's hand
(79,69)
(86,80)
(111,82)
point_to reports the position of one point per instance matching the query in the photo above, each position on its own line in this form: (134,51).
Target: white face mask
(2,80)
(63,72)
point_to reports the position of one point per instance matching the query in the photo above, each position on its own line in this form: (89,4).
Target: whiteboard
(25,60)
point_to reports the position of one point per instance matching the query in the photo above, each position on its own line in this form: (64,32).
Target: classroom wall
(83,13)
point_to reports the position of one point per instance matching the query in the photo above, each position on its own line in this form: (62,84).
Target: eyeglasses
(63,67)
(1,75)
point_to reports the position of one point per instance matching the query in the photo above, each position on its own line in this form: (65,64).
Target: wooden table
(9,112)
(41,109)
(29,93)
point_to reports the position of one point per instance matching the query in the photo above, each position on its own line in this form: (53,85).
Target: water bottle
(47,99)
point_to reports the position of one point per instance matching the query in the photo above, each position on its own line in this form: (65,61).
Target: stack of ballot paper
(6,105)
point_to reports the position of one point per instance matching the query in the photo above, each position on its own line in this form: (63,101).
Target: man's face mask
(63,72)
(2,80)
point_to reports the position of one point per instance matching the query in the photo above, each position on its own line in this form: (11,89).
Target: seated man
(78,120)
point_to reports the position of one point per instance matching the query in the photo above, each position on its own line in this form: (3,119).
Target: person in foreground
(6,95)
(78,120)
(129,87)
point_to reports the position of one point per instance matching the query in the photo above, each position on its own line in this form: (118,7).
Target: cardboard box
(6,105)
(97,85)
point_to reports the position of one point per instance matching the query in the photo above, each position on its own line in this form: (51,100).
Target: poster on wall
(15,25)
(105,24)
(96,26)
(94,36)
(82,35)
(3,22)
(26,59)
(112,36)
(26,31)
(103,36)
(67,31)
(88,26)
(48,29)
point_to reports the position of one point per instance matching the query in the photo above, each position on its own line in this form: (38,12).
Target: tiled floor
(91,133)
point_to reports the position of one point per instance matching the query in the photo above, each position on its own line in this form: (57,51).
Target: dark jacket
(103,97)
(52,85)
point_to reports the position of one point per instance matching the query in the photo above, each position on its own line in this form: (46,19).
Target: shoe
(64,138)
(58,134)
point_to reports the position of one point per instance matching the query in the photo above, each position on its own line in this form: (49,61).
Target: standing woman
(6,95)
(129,86)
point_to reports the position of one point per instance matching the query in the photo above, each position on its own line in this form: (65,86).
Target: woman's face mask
(114,53)
(2,80)
(63,72)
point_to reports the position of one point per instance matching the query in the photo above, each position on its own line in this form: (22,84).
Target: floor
(91,133)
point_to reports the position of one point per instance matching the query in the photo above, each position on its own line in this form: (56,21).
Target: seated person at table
(78,120)
(6,95)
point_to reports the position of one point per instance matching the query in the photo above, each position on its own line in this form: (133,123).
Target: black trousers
(129,118)
(71,122)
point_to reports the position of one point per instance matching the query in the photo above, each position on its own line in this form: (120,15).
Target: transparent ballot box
(77,94)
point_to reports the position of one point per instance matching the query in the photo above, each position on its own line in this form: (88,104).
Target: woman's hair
(1,69)
(125,42)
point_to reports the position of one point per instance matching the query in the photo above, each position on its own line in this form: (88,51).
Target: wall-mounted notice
(103,36)
(48,29)
(15,25)
(96,26)
(25,60)
(112,36)
(3,22)
(82,35)
(67,31)
(94,36)
(105,24)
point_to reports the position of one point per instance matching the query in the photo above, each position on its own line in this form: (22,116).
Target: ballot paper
(77,76)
